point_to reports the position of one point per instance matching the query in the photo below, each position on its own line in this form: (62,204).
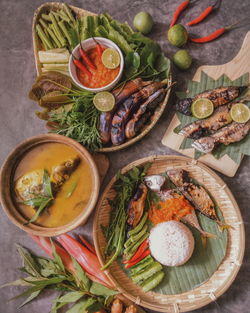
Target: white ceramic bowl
(88,44)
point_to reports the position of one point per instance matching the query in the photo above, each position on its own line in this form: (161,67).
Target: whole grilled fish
(136,205)
(191,218)
(196,194)
(154,182)
(232,133)
(218,96)
(127,108)
(201,128)
(144,112)
(120,95)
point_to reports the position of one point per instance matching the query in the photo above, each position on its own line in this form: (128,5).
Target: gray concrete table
(18,121)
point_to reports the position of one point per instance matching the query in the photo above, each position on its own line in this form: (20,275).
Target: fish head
(154,182)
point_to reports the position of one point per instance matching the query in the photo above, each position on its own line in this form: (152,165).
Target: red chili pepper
(138,252)
(86,58)
(178,11)
(99,48)
(145,253)
(202,16)
(81,67)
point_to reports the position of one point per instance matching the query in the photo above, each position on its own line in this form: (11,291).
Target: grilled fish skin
(191,218)
(232,133)
(200,128)
(196,194)
(144,112)
(127,108)
(218,96)
(120,95)
(136,205)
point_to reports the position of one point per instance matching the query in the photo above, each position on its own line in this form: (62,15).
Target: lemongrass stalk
(60,37)
(65,31)
(68,12)
(43,37)
(53,36)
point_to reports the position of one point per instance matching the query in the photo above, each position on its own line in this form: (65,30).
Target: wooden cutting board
(238,66)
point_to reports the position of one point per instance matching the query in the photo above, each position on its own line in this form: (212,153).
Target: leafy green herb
(71,189)
(43,200)
(115,232)
(77,289)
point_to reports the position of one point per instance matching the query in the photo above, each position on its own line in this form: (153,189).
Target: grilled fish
(32,183)
(218,96)
(196,194)
(144,112)
(136,205)
(191,218)
(201,128)
(154,182)
(127,108)
(232,133)
(120,94)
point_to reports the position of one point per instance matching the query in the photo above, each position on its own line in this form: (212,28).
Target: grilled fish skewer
(201,128)
(233,133)
(121,94)
(218,96)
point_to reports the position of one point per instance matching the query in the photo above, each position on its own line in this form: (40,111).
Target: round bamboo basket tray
(80,12)
(222,278)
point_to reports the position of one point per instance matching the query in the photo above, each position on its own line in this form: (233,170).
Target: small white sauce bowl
(88,44)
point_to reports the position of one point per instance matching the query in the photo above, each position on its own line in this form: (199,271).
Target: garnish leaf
(80,277)
(42,206)
(71,189)
(30,298)
(29,261)
(70,297)
(100,290)
(47,184)
(57,258)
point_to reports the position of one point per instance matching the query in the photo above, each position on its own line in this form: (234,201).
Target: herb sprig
(76,290)
(41,201)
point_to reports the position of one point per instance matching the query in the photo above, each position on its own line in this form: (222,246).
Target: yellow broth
(63,209)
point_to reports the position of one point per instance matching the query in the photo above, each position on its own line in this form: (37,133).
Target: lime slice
(202,108)
(104,101)
(240,113)
(110,58)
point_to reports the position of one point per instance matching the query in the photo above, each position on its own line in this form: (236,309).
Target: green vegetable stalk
(57,29)
(43,37)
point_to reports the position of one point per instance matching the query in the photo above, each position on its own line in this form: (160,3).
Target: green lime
(104,101)
(143,22)
(177,35)
(182,59)
(240,113)
(110,58)
(202,108)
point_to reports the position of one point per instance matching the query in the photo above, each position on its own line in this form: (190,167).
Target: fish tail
(223,226)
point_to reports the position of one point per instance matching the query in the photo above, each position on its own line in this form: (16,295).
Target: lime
(143,22)
(104,101)
(240,113)
(202,108)
(110,58)
(182,59)
(177,35)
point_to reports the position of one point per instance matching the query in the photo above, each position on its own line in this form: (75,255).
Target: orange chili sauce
(101,77)
(171,209)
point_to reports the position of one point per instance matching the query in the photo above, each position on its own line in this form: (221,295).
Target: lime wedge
(202,108)
(104,101)
(110,58)
(240,113)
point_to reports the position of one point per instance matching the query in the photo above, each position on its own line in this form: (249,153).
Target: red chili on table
(86,58)
(178,11)
(202,16)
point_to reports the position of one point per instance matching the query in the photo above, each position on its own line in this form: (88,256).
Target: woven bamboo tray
(228,269)
(80,12)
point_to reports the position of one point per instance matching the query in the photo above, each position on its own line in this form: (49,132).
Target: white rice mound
(171,243)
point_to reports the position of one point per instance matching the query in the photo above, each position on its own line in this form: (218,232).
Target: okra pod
(43,37)
(100,31)
(149,271)
(142,264)
(152,281)
(57,30)
(129,252)
(139,226)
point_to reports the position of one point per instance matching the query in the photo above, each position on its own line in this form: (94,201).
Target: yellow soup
(72,197)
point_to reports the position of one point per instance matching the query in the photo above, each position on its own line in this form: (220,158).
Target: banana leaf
(236,150)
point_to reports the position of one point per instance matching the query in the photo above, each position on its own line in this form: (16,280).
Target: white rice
(171,243)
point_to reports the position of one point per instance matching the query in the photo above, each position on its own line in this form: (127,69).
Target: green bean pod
(139,226)
(152,281)
(129,252)
(136,237)
(147,272)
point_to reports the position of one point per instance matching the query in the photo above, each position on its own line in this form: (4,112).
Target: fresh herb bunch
(115,232)
(42,200)
(80,123)
(76,290)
